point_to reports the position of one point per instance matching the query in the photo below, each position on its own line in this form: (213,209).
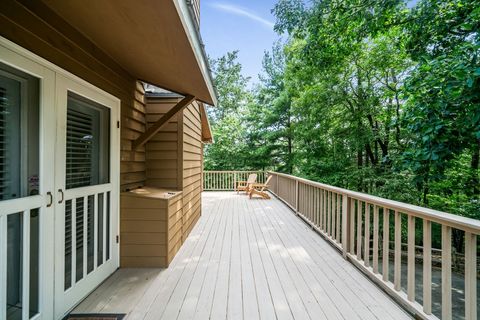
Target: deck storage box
(150,227)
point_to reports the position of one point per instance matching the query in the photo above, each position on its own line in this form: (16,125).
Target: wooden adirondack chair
(245,185)
(260,189)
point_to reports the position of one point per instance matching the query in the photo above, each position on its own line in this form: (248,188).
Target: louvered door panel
(79,149)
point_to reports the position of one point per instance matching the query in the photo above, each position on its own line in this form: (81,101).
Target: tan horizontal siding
(192,167)
(162,149)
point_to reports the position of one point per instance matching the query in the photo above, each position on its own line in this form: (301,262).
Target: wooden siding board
(191,168)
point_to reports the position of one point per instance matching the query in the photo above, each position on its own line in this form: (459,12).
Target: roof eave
(194,37)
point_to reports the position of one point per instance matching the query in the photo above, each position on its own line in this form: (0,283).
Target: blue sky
(244,25)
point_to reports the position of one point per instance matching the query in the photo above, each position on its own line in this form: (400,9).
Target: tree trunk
(369,155)
(359,158)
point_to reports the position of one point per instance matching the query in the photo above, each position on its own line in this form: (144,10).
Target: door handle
(51,199)
(61,192)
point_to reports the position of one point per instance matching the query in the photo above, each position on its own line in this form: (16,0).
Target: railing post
(234,180)
(296,196)
(276,178)
(345,224)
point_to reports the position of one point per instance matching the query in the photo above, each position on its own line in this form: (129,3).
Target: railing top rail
(231,171)
(458,222)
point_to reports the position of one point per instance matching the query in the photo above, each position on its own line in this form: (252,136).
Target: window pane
(88,127)
(19,134)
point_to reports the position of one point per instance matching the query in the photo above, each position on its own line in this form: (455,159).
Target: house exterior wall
(164,149)
(171,160)
(41,31)
(192,167)
(174,161)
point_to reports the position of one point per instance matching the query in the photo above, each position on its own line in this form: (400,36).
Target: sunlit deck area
(246,259)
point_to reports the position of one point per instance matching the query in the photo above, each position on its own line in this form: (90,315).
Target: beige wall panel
(144,238)
(143,262)
(142,226)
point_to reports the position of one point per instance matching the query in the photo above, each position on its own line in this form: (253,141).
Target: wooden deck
(246,259)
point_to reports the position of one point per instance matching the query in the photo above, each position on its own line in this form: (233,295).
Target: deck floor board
(246,259)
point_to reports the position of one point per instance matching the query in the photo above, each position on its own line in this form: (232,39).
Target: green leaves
(365,94)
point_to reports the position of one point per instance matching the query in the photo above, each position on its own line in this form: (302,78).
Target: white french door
(86,250)
(27,147)
(59,187)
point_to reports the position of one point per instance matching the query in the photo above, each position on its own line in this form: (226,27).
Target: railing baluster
(386,245)
(329,212)
(321,208)
(375,239)
(366,255)
(411,259)
(346,220)
(397,275)
(359,229)
(427,266)
(333,228)
(470,276)
(352,226)
(338,236)
(296,196)
(311,200)
(446,272)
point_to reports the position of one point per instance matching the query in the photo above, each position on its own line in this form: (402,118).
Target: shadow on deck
(246,259)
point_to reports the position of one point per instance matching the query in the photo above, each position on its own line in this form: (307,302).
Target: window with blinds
(9,137)
(87,143)
(3,143)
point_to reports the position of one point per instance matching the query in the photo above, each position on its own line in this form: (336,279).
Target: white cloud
(239,11)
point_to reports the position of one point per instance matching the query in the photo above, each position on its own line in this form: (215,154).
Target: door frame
(49,74)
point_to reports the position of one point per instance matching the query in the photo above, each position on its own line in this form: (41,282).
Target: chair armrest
(259,185)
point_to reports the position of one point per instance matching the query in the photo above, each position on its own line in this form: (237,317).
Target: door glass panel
(19,133)
(88,127)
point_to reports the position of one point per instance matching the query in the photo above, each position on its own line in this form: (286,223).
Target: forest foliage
(377,96)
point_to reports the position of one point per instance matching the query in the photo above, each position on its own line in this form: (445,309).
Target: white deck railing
(227,180)
(359,225)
